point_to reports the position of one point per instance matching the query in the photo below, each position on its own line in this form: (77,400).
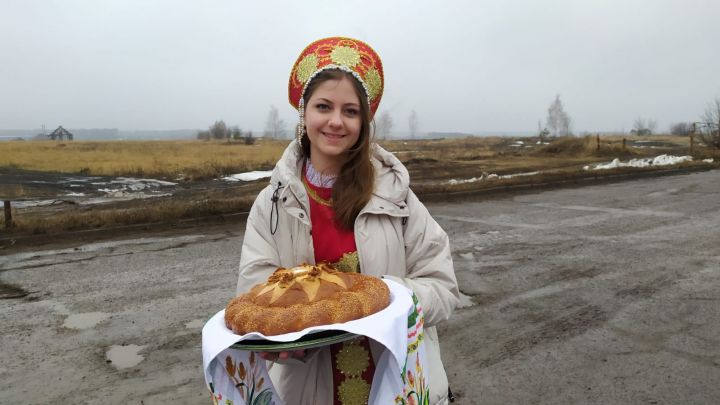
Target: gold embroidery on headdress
(373,83)
(350,55)
(306,68)
(343,55)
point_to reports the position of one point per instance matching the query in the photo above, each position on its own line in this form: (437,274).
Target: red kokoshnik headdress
(350,55)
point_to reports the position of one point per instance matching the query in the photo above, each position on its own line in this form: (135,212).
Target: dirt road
(607,294)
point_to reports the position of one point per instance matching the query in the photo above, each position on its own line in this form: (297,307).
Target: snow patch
(662,160)
(128,183)
(491,176)
(35,203)
(248,176)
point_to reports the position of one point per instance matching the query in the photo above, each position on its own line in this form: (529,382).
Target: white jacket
(393,221)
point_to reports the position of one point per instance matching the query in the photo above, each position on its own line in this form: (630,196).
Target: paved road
(606,294)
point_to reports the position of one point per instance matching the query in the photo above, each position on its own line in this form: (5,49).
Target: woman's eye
(352,112)
(323,107)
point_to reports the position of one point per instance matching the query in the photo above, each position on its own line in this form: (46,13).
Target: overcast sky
(464,66)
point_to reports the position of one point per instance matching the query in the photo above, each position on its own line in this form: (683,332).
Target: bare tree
(710,127)
(219,130)
(413,124)
(274,127)
(383,125)
(681,128)
(558,120)
(638,126)
(641,126)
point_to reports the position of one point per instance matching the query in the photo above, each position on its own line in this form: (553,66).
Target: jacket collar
(392,180)
(392,183)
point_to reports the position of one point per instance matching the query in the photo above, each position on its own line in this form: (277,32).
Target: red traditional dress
(352,363)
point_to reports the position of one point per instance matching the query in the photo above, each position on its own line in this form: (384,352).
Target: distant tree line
(559,123)
(220,131)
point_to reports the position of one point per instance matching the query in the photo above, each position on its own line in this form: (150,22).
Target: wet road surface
(602,294)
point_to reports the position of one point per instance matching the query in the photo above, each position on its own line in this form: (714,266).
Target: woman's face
(333,122)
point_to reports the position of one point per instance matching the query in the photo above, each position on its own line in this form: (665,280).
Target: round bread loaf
(294,299)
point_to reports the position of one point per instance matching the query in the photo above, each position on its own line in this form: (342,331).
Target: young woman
(337,197)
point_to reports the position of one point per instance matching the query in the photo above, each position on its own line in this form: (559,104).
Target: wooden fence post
(692,138)
(8,215)
(624,144)
(597,138)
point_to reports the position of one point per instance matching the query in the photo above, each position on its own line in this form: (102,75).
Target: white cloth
(398,371)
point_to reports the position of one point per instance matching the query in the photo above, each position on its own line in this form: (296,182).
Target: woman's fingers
(272,356)
(268,356)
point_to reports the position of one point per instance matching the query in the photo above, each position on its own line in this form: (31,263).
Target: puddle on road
(465,301)
(467,256)
(195,324)
(86,320)
(124,356)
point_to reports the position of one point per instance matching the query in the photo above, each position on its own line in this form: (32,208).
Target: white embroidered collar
(316,178)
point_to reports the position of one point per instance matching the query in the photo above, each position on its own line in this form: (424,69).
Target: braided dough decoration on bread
(297,298)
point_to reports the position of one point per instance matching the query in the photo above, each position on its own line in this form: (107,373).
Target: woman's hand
(274,356)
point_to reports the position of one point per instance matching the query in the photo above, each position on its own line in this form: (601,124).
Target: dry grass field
(436,166)
(191,160)
(196,160)
(463,158)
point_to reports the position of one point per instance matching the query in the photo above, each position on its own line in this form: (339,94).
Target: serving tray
(309,341)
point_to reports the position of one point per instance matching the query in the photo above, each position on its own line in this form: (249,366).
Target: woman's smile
(333,135)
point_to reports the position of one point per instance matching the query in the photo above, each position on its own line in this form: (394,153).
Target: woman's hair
(355,182)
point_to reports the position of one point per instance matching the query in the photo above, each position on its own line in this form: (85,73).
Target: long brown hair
(356,181)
